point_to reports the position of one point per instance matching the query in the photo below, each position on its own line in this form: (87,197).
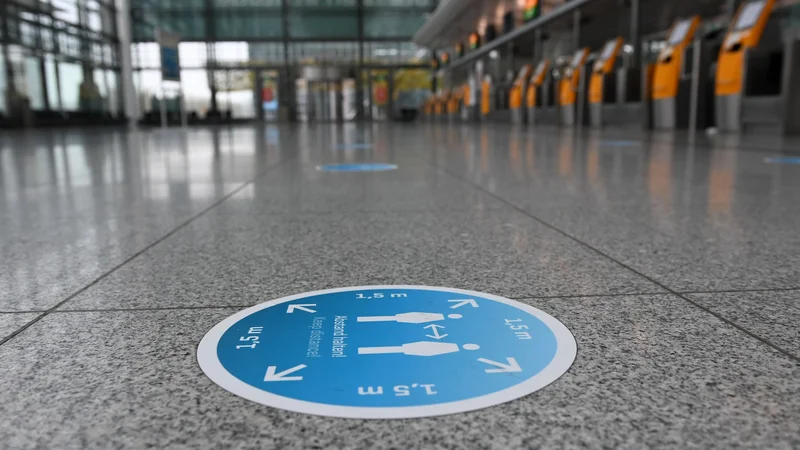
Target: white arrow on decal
(512,366)
(436,334)
(281,376)
(462,302)
(291,308)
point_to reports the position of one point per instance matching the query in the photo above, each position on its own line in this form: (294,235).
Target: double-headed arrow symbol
(436,334)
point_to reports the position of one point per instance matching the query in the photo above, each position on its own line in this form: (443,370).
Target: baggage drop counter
(603,84)
(572,88)
(536,95)
(517,95)
(680,79)
(757,87)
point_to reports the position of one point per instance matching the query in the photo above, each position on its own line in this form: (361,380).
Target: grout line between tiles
(179,308)
(634,294)
(157,308)
(145,249)
(626,266)
(729,291)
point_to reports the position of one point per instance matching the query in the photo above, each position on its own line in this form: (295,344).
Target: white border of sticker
(210,364)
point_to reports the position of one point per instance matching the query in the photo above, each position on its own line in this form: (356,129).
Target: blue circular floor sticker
(359,167)
(386,352)
(782,160)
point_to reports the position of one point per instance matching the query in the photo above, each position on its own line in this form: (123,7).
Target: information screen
(749,15)
(608,50)
(521,74)
(679,32)
(540,69)
(576,60)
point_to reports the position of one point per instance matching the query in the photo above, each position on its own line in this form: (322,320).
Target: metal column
(635,38)
(124,34)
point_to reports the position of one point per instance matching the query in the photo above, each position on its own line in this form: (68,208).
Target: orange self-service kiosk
(439,106)
(671,91)
(466,101)
(486,97)
(570,87)
(602,85)
(454,104)
(539,92)
(516,101)
(756,86)
(536,95)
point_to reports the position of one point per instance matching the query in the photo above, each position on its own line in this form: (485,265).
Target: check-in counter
(603,84)
(571,86)
(454,105)
(757,86)
(517,94)
(440,106)
(536,94)
(427,108)
(487,98)
(680,78)
(467,112)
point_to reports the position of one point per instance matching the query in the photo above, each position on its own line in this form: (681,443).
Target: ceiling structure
(454,20)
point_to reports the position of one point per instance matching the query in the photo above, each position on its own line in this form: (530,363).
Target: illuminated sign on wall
(459,50)
(445,58)
(474,41)
(490,34)
(532,10)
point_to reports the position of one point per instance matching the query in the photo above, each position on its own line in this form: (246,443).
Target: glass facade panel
(321,25)
(114,105)
(393,24)
(53,94)
(196,91)
(71,77)
(33,76)
(241,25)
(3,84)
(51,50)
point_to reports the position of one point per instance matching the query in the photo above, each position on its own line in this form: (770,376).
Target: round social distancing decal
(386,351)
(358,167)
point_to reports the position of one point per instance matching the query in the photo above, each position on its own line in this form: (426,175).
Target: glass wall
(227,45)
(57,57)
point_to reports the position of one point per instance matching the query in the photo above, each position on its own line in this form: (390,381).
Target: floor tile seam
(626,266)
(145,309)
(734,291)
(178,308)
(577,296)
(149,246)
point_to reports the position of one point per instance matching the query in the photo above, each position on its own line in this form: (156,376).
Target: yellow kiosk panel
(666,76)
(568,88)
(486,96)
(744,33)
(515,100)
(603,66)
(536,80)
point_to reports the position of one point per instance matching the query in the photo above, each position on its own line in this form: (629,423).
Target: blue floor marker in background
(354,147)
(783,160)
(387,352)
(359,167)
(620,143)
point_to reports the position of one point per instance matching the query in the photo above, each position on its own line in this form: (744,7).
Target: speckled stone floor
(675,266)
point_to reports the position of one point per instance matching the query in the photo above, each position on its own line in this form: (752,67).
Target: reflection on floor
(677,268)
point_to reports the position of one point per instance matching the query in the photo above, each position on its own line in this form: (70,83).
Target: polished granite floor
(676,267)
